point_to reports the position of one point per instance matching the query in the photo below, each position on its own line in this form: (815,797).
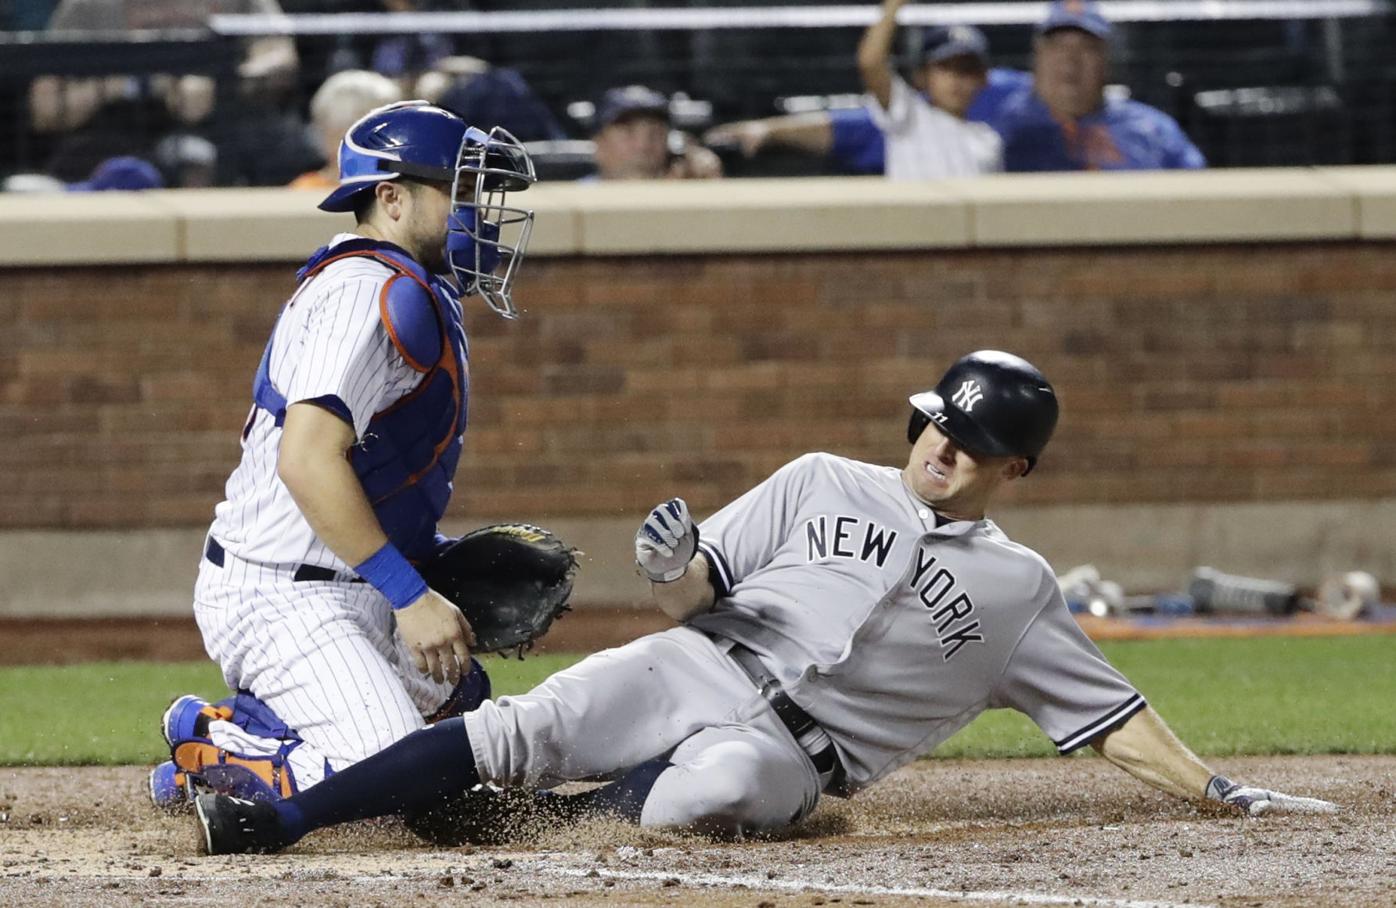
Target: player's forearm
(270,57)
(1146,748)
(811,132)
(313,465)
(688,596)
(874,55)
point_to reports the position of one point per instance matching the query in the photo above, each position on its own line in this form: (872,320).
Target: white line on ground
(754,882)
(685,879)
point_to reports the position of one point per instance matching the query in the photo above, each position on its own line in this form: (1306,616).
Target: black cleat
(238,826)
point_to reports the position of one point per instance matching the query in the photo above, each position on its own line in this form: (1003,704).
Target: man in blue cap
(928,136)
(1058,118)
(634,141)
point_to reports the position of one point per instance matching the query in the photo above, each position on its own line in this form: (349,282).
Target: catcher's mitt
(509,580)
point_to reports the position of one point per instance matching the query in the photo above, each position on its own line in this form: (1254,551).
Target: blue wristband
(393,576)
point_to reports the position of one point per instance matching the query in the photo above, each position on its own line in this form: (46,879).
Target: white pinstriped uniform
(322,654)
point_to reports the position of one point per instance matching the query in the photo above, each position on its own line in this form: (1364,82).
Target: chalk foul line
(796,885)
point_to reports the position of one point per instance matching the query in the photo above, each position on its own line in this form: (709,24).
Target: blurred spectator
(445,74)
(187,161)
(812,133)
(258,142)
(634,141)
(339,103)
(127,126)
(32,182)
(501,97)
(1056,118)
(124,174)
(927,136)
(1059,118)
(25,15)
(404,56)
(58,103)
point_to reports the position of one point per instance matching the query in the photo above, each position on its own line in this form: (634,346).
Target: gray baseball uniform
(891,631)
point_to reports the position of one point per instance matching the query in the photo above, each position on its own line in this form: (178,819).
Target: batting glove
(1257,802)
(666,542)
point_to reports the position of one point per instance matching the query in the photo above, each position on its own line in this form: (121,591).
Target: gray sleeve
(1059,678)
(745,534)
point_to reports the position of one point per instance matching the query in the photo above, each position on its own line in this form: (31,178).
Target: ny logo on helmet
(968,395)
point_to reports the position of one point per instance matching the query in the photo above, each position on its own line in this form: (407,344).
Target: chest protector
(408,453)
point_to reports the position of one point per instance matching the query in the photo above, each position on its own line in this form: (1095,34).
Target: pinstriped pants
(322,654)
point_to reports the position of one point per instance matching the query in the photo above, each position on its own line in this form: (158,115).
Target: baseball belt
(795,719)
(215,554)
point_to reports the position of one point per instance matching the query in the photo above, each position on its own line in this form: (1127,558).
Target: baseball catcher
(339,615)
(838,620)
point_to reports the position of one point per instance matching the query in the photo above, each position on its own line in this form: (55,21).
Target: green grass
(1224,697)
(109,712)
(1265,695)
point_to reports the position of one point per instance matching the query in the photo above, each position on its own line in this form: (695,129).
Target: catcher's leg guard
(203,766)
(187,719)
(169,788)
(219,769)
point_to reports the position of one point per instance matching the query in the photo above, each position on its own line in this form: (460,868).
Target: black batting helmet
(989,402)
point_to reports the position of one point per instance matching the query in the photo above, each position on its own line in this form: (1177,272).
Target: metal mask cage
(491,169)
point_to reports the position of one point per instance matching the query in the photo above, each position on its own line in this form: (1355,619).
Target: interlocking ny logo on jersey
(968,395)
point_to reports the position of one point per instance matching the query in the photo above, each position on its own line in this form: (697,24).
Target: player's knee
(724,805)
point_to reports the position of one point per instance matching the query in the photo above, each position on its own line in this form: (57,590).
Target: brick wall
(1230,373)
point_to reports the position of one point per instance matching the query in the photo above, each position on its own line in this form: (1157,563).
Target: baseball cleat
(238,826)
(169,788)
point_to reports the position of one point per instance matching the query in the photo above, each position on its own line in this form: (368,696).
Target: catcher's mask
(485,238)
(420,140)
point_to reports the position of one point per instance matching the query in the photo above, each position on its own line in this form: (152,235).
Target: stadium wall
(1224,345)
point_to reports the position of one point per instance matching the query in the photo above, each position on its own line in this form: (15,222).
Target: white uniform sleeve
(1059,678)
(897,118)
(745,534)
(346,362)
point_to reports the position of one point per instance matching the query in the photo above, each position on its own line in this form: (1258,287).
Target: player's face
(430,207)
(635,148)
(1069,71)
(954,481)
(952,84)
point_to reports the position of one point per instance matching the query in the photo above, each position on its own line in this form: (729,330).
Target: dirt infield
(1023,832)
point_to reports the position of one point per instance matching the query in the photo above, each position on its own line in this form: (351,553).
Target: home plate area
(1071,831)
